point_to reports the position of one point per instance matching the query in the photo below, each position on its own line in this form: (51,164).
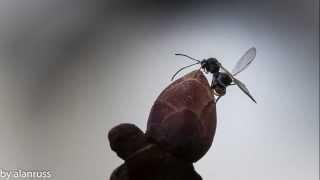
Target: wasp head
(211,65)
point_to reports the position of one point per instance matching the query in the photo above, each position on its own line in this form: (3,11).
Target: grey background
(71,70)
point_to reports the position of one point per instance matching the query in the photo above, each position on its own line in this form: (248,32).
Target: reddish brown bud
(183,118)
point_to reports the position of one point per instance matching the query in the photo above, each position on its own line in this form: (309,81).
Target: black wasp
(220,80)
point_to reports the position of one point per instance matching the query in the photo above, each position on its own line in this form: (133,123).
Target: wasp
(222,79)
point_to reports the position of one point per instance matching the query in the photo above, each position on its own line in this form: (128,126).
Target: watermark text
(21,173)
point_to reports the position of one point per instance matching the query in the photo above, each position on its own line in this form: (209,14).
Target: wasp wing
(244,61)
(244,89)
(240,84)
(226,71)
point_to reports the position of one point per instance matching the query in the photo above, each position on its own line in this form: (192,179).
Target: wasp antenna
(178,54)
(183,69)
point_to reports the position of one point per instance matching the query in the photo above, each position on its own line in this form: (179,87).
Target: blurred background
(71,70)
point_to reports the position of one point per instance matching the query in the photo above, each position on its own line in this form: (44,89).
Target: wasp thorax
(224,79)
(211,65)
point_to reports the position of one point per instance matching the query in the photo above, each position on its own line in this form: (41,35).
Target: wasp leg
(212,82)
(218,98)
